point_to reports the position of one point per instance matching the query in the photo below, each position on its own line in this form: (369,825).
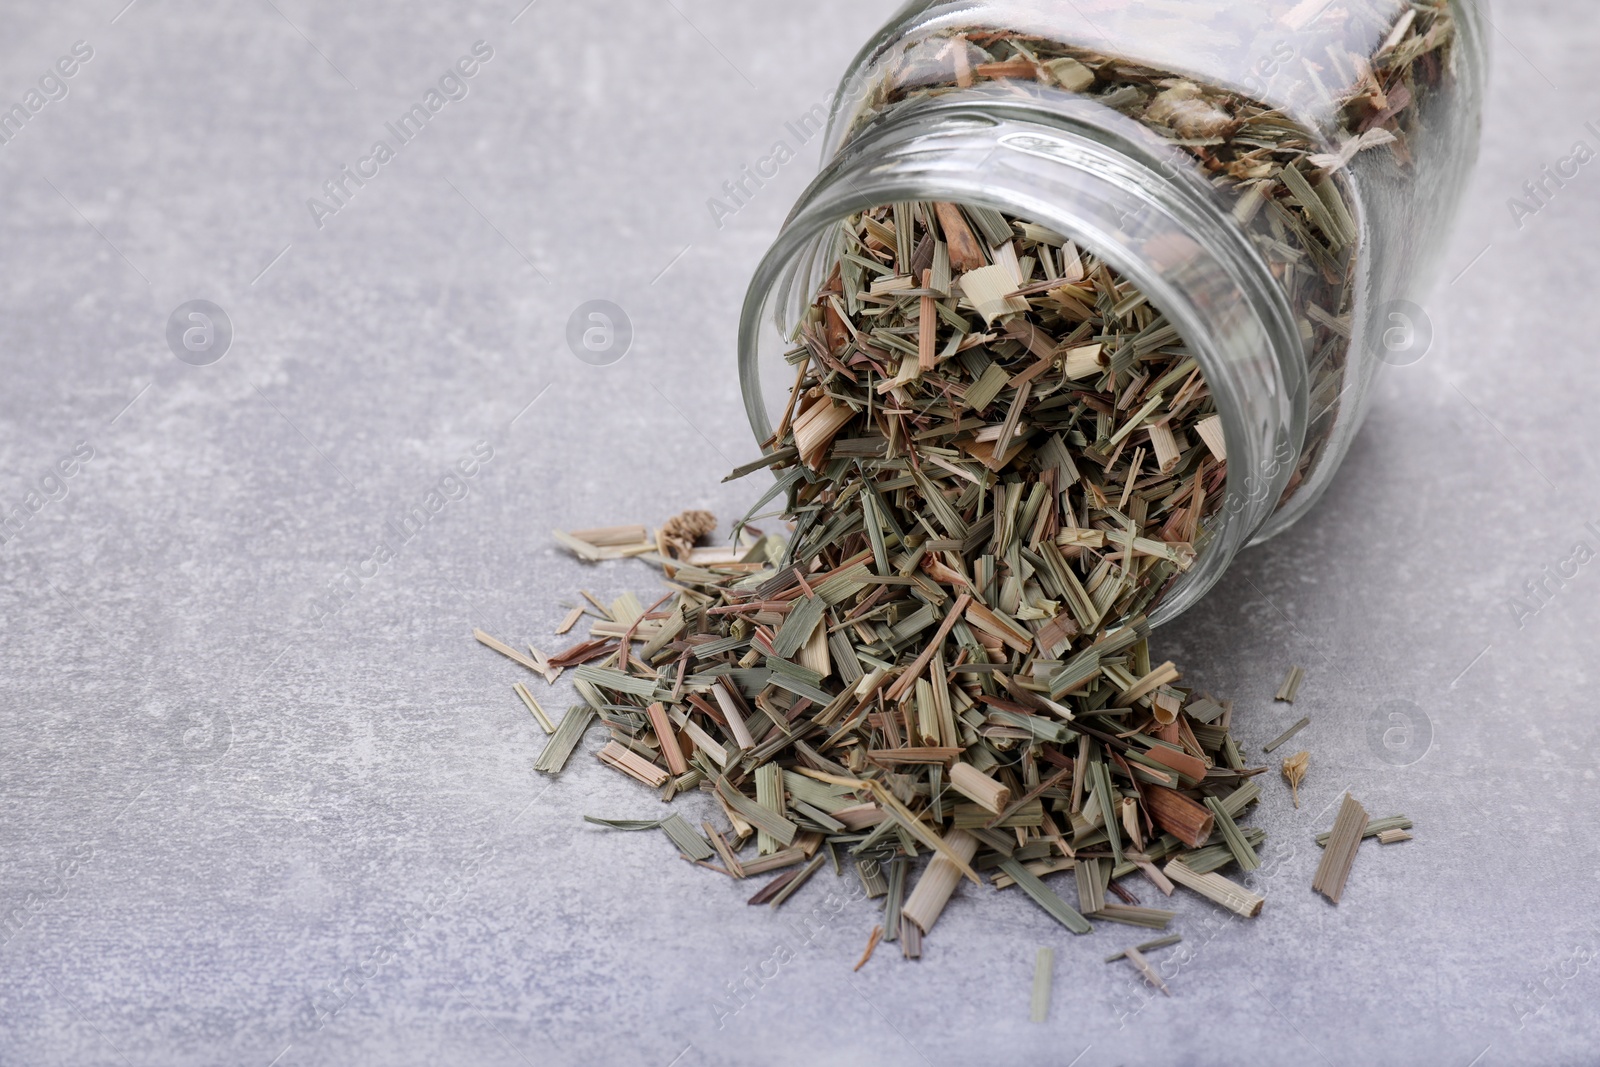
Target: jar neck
(1085,171)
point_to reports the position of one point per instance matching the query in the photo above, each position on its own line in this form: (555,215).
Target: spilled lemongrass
(1043,971)
(1214,887)
(1343,842)
(1046,898)
(1233,837)
(1291,684)
(1305,721)
(1147,946)
(564,740)
(1374,827)
(939,880)
(534,708)
(1142,965)
(1294,772)
(872,944)
(1128,915)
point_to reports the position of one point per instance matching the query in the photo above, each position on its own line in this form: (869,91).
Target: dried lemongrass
(1155,875)
(668,740)
(1236,898)
(724,852)
(1343,842)
(870,871)
(679,534)
(894,899)
(769,795)
(507,651)
(911,942)
(632,764)
(1294,772)
(1180,816)
(564,740)
(938,881)
(1132,915)
(690,843)
(1039,868)
(1162,675)
(612,536)
(1046,897)
(768,822)
(989,288)
(1091,886)
(612,542)
(1147,946)
(533,707)
(948,644)
(733,714)
(1305,720)
(872,944)
(768,892)
(798,880)
(1291,684)
(1374,827)
(1243,854)
(1210,431)
(971,782)
(1142,965)
(815,428)
(1215,857)
(1043,970)
(776,861)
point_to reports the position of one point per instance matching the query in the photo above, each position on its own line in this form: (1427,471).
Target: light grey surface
(215,809)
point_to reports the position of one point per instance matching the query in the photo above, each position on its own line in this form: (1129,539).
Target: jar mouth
(1077,167)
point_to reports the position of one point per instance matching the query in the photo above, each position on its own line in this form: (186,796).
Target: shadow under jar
(1276,178)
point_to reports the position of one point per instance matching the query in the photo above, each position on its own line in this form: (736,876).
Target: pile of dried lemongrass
(996,457)
(989,478)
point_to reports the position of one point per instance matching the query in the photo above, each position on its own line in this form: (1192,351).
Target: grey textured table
(265,800)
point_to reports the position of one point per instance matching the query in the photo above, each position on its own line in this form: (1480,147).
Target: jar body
(1339,133)
(1279,194)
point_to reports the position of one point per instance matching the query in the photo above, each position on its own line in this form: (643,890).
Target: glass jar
(1276,176)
